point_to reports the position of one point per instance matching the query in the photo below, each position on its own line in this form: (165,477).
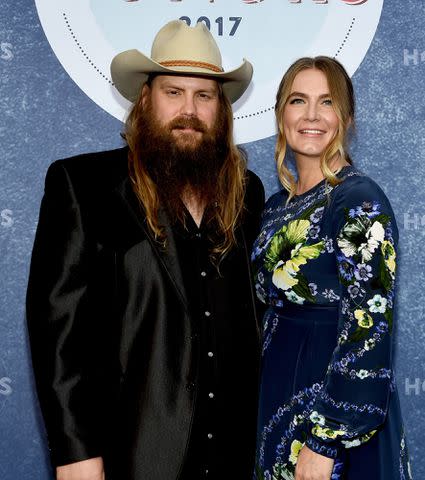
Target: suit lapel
(167,255)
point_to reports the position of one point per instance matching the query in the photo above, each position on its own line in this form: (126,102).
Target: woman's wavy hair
(342,95)
(231,181)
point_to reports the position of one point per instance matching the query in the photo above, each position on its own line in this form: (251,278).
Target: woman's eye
(328,101)
(296,101)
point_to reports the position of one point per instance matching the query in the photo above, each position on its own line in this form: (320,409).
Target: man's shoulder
(255,189)
(101,168)
(254,200)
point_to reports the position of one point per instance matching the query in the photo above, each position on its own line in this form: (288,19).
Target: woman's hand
(312,466)
(91,469)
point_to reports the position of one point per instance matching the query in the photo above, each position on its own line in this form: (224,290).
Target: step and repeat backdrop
(57,100)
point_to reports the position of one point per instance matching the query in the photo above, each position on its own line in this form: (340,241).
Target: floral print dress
(325,266)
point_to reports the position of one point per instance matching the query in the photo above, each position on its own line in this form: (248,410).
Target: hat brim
(130,71)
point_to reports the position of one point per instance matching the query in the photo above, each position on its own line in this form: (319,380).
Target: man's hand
(91,469)
(312,466)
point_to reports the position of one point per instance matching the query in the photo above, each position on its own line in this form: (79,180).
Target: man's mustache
(188,122)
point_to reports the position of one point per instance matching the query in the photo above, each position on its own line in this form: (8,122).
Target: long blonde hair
(342,96)
(231,182)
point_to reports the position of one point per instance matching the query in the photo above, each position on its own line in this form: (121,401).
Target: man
(140,306)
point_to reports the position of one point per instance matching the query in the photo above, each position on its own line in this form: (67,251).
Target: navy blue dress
(325,264)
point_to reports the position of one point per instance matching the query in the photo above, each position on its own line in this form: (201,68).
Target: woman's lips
(311,131)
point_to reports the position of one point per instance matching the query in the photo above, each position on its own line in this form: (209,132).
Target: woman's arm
(354,398)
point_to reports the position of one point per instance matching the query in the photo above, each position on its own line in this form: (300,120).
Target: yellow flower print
(296,447)
(287,252)
(300,254)
(326,433)
(297,231)
(389,253)
(284,273)
(364,320)
(283,277)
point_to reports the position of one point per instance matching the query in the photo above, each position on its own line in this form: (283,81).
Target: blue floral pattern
(325,264)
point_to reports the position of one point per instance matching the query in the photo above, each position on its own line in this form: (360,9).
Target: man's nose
(189,105)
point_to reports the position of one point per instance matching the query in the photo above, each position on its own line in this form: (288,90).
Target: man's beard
(183,163)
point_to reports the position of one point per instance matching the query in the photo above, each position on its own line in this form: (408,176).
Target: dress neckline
(311,190)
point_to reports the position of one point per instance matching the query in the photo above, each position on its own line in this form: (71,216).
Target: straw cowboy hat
(178,49)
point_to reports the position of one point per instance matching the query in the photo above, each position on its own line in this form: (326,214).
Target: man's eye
(204,96)
(172,92)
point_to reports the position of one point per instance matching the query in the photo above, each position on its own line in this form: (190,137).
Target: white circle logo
(86,34)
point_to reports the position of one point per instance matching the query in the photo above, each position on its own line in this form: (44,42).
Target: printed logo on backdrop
(86,34)
(5,385)
(6,51)
(6,218)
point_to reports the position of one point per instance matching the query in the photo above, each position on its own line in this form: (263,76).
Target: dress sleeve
(59,323)
(354,399)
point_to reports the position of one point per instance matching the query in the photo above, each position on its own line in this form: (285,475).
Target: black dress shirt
(223,431)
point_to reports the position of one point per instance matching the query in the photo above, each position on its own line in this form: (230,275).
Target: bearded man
(140,307)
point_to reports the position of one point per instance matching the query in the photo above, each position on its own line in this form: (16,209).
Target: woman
(325,264)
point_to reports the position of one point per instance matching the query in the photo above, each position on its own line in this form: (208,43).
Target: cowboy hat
(177,49)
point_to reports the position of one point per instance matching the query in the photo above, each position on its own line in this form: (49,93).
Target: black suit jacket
(114,357)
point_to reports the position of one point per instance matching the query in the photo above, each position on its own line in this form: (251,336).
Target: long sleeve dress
(325,264)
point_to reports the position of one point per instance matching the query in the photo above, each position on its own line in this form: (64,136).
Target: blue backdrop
(45,116)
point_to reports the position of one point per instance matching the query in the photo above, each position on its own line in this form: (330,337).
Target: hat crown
(177,41)
(183,50)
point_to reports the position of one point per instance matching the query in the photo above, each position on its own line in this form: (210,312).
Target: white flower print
(362,272)
(377,304)
(314,231)
(315,417)
(355,290)
(369,344)
(317,215)
(351,443)
(362,374)
(375,235)
(343,337)
(261,293)
(345,305)
(357,228)
(313,288)
(293,297)
(329,244)
(330,295)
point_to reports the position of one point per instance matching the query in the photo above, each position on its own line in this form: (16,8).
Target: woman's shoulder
(359,198)
(356,186)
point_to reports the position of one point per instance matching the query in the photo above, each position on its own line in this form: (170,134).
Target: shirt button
(210,436)
(207,313)
(203,274)
(210,354)
(211,395)
(190,386)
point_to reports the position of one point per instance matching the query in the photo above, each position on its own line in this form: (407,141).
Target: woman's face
(309,120)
